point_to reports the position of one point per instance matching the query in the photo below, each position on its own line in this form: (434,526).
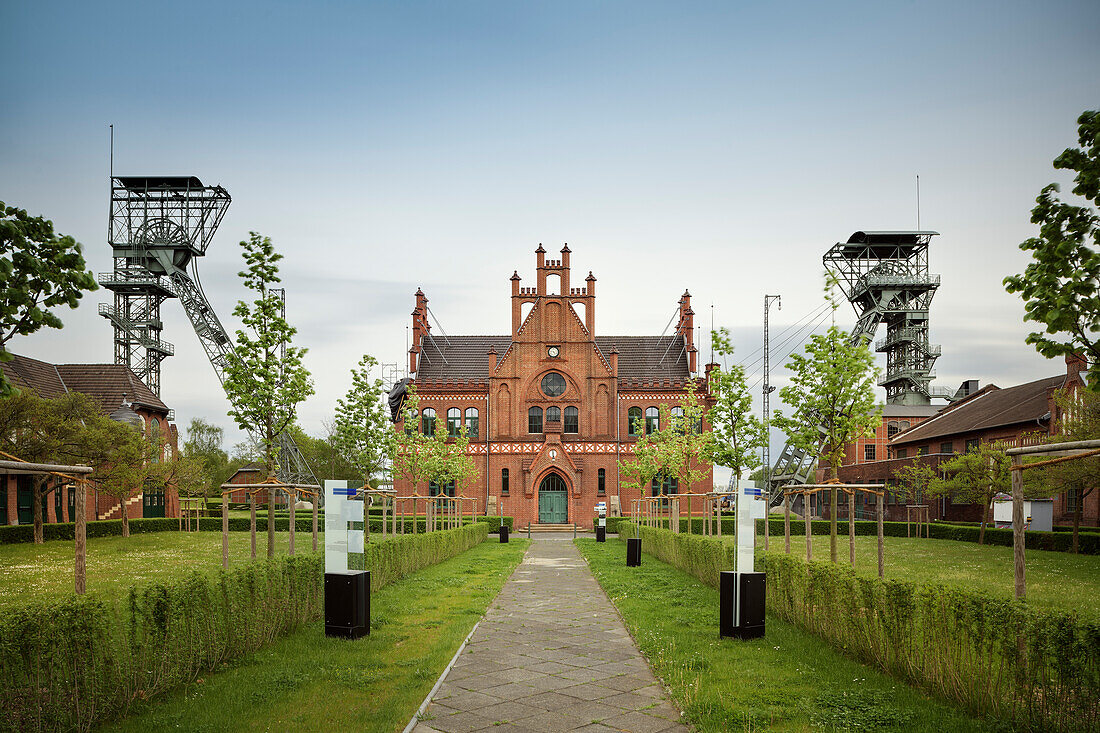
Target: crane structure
(884,275)
(159,227)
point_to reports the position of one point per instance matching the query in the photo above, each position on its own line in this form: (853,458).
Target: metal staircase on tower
(159,226)
(884,275)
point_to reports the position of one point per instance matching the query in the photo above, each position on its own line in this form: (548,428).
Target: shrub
(998,658)
(71,663)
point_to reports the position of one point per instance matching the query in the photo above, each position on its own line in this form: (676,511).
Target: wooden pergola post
(852,527)
(786,523)
(806,517)
(81,543)
(880,500)
(1018,565)
(293,499)
(316,498)
(252,520)
(225,532)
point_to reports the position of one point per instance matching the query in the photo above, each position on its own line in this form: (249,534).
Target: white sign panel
(746,534)
(340,511)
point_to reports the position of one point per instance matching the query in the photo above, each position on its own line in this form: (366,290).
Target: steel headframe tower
(885,277)
(158,226)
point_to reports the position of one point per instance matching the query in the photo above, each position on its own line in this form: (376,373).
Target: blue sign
(754,492)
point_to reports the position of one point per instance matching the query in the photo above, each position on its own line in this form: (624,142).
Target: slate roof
(640,357)
(987,408)
(107,384)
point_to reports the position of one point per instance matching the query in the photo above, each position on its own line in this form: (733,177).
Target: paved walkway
(550,655)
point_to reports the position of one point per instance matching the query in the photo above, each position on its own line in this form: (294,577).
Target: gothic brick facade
(549,406)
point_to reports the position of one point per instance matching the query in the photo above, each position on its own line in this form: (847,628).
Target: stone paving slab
(550,655)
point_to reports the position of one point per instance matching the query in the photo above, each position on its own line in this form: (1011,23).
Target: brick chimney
(590,305)
(492,360)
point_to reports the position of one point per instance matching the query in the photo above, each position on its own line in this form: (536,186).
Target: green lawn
(1057,581)
(306,681)
(35,572)
(787,681)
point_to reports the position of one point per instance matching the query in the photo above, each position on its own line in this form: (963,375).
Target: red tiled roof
(987,408)
(107,384)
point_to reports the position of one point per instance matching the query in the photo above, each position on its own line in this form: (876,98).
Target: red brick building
(1024,414)
(121,396)
(552,407)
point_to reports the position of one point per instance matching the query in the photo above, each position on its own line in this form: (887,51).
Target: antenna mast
(765,450)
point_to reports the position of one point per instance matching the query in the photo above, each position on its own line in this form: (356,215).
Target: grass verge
(1056,581)
(788,681)
(307,681)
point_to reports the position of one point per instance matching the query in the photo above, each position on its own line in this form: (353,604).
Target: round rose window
(553,384)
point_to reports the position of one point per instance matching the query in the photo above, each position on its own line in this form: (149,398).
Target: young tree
(915,480)
(1080,420)
(204,445)
(637,473)
(736,434)
(264,377)
(39,270)
(360,429)
(411,452)
(186,474)
(1061,286)
(832,399)
(975,478)
(125,463)
(48,431)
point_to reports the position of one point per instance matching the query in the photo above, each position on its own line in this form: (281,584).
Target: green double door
(553,500)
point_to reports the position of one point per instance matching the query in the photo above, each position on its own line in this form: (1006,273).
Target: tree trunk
(1077,522)
(36,506)
(985,519)
(832,524)
(786,523)
(252,522)
(271,522)
(125,518)
(81,540)
(852,529)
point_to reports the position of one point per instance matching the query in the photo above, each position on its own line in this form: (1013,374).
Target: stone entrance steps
(552,528)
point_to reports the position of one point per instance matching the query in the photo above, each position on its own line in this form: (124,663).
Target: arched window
(154,436)
(454,421)
(553,414)
(534,420)
(634,421)
(471,422)
(601,482)
(504,482)
(664,485)
(677,414)
(652,420)
(427,421)
(572,420)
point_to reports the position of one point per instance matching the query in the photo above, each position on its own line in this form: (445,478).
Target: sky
(716,147)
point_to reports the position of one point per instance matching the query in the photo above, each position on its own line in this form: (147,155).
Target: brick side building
(121,396)
(552,407)
(1024,414)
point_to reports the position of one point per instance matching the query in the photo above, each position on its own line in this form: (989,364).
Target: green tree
(915,480)
(186,475)
(637,472)
(125,464)
(1061,286)
(39,270)
(38,430)
(976,477)
(264,376)
(736,434)
(204,444)
(361,425)
(1079,420)
(832,397)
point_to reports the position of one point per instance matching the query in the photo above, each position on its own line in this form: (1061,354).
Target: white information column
(746,530)
(340,539)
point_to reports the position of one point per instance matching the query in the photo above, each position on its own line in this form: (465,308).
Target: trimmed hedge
(72,663)
(998,658)
(1088,543)
(113,527)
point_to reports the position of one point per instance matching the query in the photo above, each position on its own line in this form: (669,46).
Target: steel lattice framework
(885,277)
(159,226)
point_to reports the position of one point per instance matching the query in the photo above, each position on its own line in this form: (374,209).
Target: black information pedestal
(503,533)
(347,604)
(634,552)
(601,534)
(741,604)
